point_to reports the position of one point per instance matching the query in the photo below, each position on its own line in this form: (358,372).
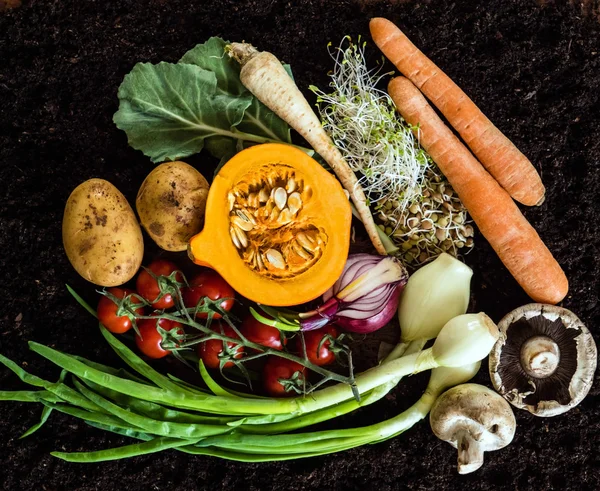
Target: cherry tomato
(209,284)
(150,341)
(279,369)
(322,355)
(107,311)
(148,287)
(262,334)
(210,350)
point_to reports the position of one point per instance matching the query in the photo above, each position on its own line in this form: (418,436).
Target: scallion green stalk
(335,440)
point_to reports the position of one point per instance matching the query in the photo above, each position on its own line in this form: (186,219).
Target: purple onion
(364,298)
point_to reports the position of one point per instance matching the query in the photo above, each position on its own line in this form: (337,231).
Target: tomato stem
(188,316)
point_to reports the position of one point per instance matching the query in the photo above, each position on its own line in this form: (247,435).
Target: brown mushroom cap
(544,360)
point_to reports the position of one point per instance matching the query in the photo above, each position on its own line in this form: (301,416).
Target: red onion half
(364,298)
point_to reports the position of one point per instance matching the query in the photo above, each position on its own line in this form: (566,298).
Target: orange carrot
(499,219)
(496,152)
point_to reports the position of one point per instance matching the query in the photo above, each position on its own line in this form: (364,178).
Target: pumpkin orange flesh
(277,226)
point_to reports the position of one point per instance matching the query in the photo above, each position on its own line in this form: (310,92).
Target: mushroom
(544,360)
(473,419)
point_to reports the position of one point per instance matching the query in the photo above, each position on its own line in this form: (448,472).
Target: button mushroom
(473,419)
(544,360)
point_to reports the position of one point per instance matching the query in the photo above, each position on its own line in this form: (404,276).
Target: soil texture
(532,67)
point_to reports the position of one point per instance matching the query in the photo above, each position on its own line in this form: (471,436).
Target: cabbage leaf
(172,110)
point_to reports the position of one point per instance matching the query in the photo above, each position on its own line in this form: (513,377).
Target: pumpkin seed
(280,197)
(244,225)
(247,217)
(306,241)
(234,238)
(275,259)
(285,217)
(241,235)
(230,200)
(298,249)
(252,200)
(263,195)
(290,187)
(294,203)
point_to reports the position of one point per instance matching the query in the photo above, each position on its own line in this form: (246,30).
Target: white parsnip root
(264,75)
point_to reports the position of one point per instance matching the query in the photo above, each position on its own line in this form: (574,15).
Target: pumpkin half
(277,226)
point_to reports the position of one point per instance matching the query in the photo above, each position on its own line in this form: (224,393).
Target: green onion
(440,380)
(168,413)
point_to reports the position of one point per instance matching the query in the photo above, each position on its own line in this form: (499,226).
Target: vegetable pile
(264,326)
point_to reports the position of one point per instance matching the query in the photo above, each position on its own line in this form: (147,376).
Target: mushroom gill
(544,360)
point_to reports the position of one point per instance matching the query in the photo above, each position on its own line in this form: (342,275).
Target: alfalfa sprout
(414,204)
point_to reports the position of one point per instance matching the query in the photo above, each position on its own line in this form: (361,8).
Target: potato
(101,235)
(171,204)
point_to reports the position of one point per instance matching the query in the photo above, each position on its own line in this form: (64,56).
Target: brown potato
(101,235)
(171,204)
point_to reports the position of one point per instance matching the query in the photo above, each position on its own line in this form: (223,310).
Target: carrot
(496,152)
(499,219)
(263,75)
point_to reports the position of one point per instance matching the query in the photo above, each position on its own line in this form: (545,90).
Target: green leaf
(258,119)
(169,110)
(211,56)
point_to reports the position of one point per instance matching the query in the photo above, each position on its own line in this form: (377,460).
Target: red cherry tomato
(319,355)
(209,284)
(107,311)
(210,350)
(149,340)
(262,334)
(279,369)
(148,287)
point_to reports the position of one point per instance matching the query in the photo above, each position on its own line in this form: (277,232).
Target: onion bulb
(433,295)
(364,298)
(465,339)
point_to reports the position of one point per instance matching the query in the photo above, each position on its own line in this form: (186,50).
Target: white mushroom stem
(473,419)
(470,452)
(540,356)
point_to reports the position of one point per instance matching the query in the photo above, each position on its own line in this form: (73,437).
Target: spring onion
(433,295)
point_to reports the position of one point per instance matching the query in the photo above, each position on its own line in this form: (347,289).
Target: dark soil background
(532,67)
